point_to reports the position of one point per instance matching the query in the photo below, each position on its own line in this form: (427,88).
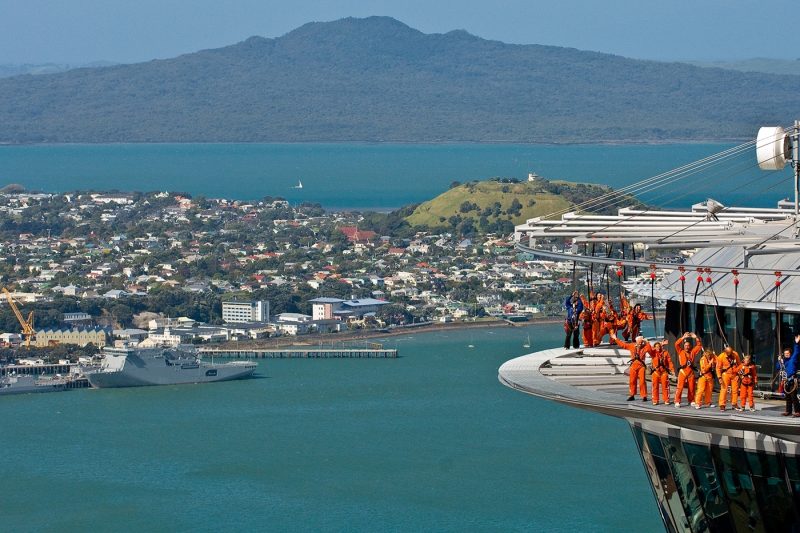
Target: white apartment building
(236,311)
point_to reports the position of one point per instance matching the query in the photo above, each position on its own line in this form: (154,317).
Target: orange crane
(27,325)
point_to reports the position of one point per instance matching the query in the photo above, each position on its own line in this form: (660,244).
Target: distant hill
(376,79)
(497,205)
(756,64)
(7,70)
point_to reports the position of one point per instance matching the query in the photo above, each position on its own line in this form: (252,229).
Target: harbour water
(381,176)
(427,441)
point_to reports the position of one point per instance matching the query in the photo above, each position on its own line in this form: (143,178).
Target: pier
(309,352)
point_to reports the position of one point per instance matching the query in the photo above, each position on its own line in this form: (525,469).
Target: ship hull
(134,370)
(30,390)
(27,385)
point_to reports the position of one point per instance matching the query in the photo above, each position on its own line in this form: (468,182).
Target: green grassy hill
(496,206)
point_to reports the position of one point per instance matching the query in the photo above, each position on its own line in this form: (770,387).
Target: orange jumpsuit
(586,318)
(612,322)
(662,368)
(624,311)
(638,355)
(726,372)
(598,318)
(748,379)
(635,322)
(705,383)
(686,373)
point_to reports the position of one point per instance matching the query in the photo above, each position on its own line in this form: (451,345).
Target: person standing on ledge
(706,381)
(586,319)
(792,403)
(574,307)
(727,362)
(662,369)
(686,357)
(639,350)
(748,378)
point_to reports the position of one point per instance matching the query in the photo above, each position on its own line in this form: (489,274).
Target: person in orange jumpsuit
(639,351)
(612,322)
(598,318)
(661,369)
(635,317)
(686,360)
(624,311)
(748,379)
(726,373)
(705,383)
(586,319)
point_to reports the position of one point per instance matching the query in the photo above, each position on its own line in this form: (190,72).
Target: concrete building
(131,334)
(253,311)
(329,308)
(293,323)
(75,319)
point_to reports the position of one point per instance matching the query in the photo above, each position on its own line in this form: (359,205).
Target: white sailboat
(527,343)
(299,185)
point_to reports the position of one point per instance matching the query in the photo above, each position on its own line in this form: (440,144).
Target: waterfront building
(330,308)
(293,323)
(80,336)
(710,469)
(245,311)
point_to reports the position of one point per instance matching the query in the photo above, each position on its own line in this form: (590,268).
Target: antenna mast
(796,166)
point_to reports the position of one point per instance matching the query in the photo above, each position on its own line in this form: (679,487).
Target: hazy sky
(79,31)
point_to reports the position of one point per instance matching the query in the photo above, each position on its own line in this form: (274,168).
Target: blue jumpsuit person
(574,307)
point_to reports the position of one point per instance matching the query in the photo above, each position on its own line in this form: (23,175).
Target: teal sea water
(428,442)
(381,176)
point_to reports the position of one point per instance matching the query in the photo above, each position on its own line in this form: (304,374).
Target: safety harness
(639,354)
(746,374)
(659,360)
(689,364)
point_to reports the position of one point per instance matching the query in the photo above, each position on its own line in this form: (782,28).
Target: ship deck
(595,379)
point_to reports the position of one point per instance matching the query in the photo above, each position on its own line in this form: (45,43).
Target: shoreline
(354,336)
(576,142)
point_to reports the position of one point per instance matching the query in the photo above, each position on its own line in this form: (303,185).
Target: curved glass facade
(707,487)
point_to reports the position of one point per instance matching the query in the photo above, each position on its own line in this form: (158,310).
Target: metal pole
(796,165)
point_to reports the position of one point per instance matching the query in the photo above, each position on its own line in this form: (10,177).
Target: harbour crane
(27,325)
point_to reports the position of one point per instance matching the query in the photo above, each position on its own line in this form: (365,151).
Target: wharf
(301,353)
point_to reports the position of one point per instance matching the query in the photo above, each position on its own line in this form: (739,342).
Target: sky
(126,31)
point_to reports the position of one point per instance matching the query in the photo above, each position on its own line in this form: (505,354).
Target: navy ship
(138,367)
(24,384)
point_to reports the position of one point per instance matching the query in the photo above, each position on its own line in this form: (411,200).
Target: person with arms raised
(792,364)
(686,359)
(639,350)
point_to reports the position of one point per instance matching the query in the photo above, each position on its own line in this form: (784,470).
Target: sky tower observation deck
(728,275)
